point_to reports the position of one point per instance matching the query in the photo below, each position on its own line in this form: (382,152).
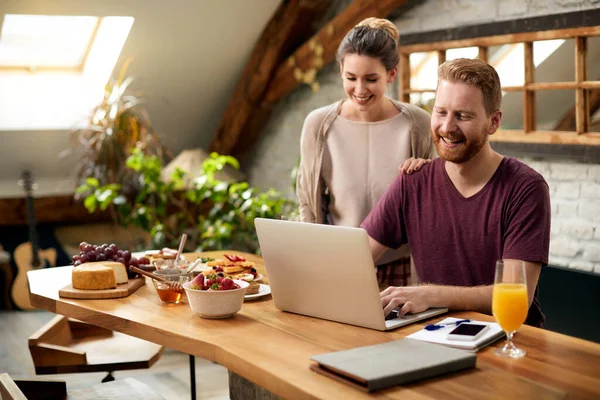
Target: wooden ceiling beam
(322,47)
(291,24)
(247,114)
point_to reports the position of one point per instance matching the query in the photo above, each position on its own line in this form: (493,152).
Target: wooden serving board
(122,290)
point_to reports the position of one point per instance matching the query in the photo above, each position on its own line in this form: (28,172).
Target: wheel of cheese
(93,277)
(118,268)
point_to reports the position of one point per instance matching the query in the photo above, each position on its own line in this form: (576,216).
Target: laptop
(327,272)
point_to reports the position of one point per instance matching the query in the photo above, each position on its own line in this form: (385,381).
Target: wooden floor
(169,377)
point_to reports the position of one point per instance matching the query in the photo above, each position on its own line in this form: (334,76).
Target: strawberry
(198,280)
(226,284)
(219,279)
(234,257)
(210,282)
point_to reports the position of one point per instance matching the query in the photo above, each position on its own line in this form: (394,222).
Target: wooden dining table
(269,351)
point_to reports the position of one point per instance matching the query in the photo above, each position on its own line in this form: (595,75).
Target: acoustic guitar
(28,256)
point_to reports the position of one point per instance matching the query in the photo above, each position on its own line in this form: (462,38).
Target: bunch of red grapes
(105,252)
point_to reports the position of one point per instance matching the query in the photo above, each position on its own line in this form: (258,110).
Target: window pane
(464,52)
(554,60)
(508,62)
(594,96)
(45,41)
(423,70)
(512,110)
(555,110)
(593,58)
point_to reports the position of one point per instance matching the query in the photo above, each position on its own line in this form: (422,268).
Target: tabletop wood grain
(273,348)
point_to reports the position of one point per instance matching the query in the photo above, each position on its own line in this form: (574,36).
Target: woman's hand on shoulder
(412,164)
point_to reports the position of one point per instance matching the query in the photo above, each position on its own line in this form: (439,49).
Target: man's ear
(391,75)
(495,121)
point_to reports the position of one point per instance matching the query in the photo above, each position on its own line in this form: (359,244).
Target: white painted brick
(594,173)
(434,22)
(569,2)
(555,226)
(568,172)
(566,209)
(579,229)
(589,209)
(591,252)
(563,247)
(540,166)
(582,265)
(559,261)
(553,207)
(597,235)
(511,8)
(590,190)
(566,190)
(407,25)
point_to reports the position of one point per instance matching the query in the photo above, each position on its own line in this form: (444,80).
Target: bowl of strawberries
(214,296)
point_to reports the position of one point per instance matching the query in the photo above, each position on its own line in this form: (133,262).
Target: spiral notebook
(492,335)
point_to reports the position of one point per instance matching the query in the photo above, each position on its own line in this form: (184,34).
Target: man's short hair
(476,73)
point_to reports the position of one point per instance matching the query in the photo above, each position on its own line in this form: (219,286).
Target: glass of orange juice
(509,302)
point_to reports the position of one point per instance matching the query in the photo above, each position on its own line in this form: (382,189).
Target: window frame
(582,84)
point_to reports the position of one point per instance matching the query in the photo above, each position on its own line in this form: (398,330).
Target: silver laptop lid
(322,271)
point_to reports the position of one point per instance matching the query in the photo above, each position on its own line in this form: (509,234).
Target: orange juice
(509,305)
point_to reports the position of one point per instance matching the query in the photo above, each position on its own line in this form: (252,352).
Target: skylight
(56,67)
(38,41)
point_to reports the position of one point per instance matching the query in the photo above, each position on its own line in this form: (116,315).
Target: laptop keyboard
(392,315)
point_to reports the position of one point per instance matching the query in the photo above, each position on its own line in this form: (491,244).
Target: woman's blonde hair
(372,37)
(381,23)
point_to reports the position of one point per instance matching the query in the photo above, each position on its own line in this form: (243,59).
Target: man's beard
(462,153)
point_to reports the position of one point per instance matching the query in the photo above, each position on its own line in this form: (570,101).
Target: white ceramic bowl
(216,304)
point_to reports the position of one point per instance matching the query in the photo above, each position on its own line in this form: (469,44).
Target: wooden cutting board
(122,290)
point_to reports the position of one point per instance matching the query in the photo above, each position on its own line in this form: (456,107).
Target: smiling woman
(351,149)
(55,67)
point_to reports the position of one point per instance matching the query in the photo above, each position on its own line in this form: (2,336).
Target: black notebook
(389,364)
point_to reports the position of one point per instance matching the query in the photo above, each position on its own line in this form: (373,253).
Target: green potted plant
(113,129)
(214,213)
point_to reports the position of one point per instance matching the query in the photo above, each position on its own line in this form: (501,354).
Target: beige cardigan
(310,187)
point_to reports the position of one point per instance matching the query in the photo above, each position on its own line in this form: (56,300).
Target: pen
(435,327)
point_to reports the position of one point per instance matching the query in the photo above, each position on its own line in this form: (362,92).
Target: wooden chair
(124,389)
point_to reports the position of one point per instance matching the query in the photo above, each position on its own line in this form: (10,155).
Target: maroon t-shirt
(456,240)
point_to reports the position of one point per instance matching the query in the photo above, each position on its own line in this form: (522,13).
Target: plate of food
(155,255)
(231,266)
(262,290)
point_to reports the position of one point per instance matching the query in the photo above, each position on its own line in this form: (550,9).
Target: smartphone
(467,332)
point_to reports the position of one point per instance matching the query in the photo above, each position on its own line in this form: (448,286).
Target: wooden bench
(124,389)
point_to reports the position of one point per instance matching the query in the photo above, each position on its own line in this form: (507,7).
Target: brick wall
(575,188)
(575,196)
